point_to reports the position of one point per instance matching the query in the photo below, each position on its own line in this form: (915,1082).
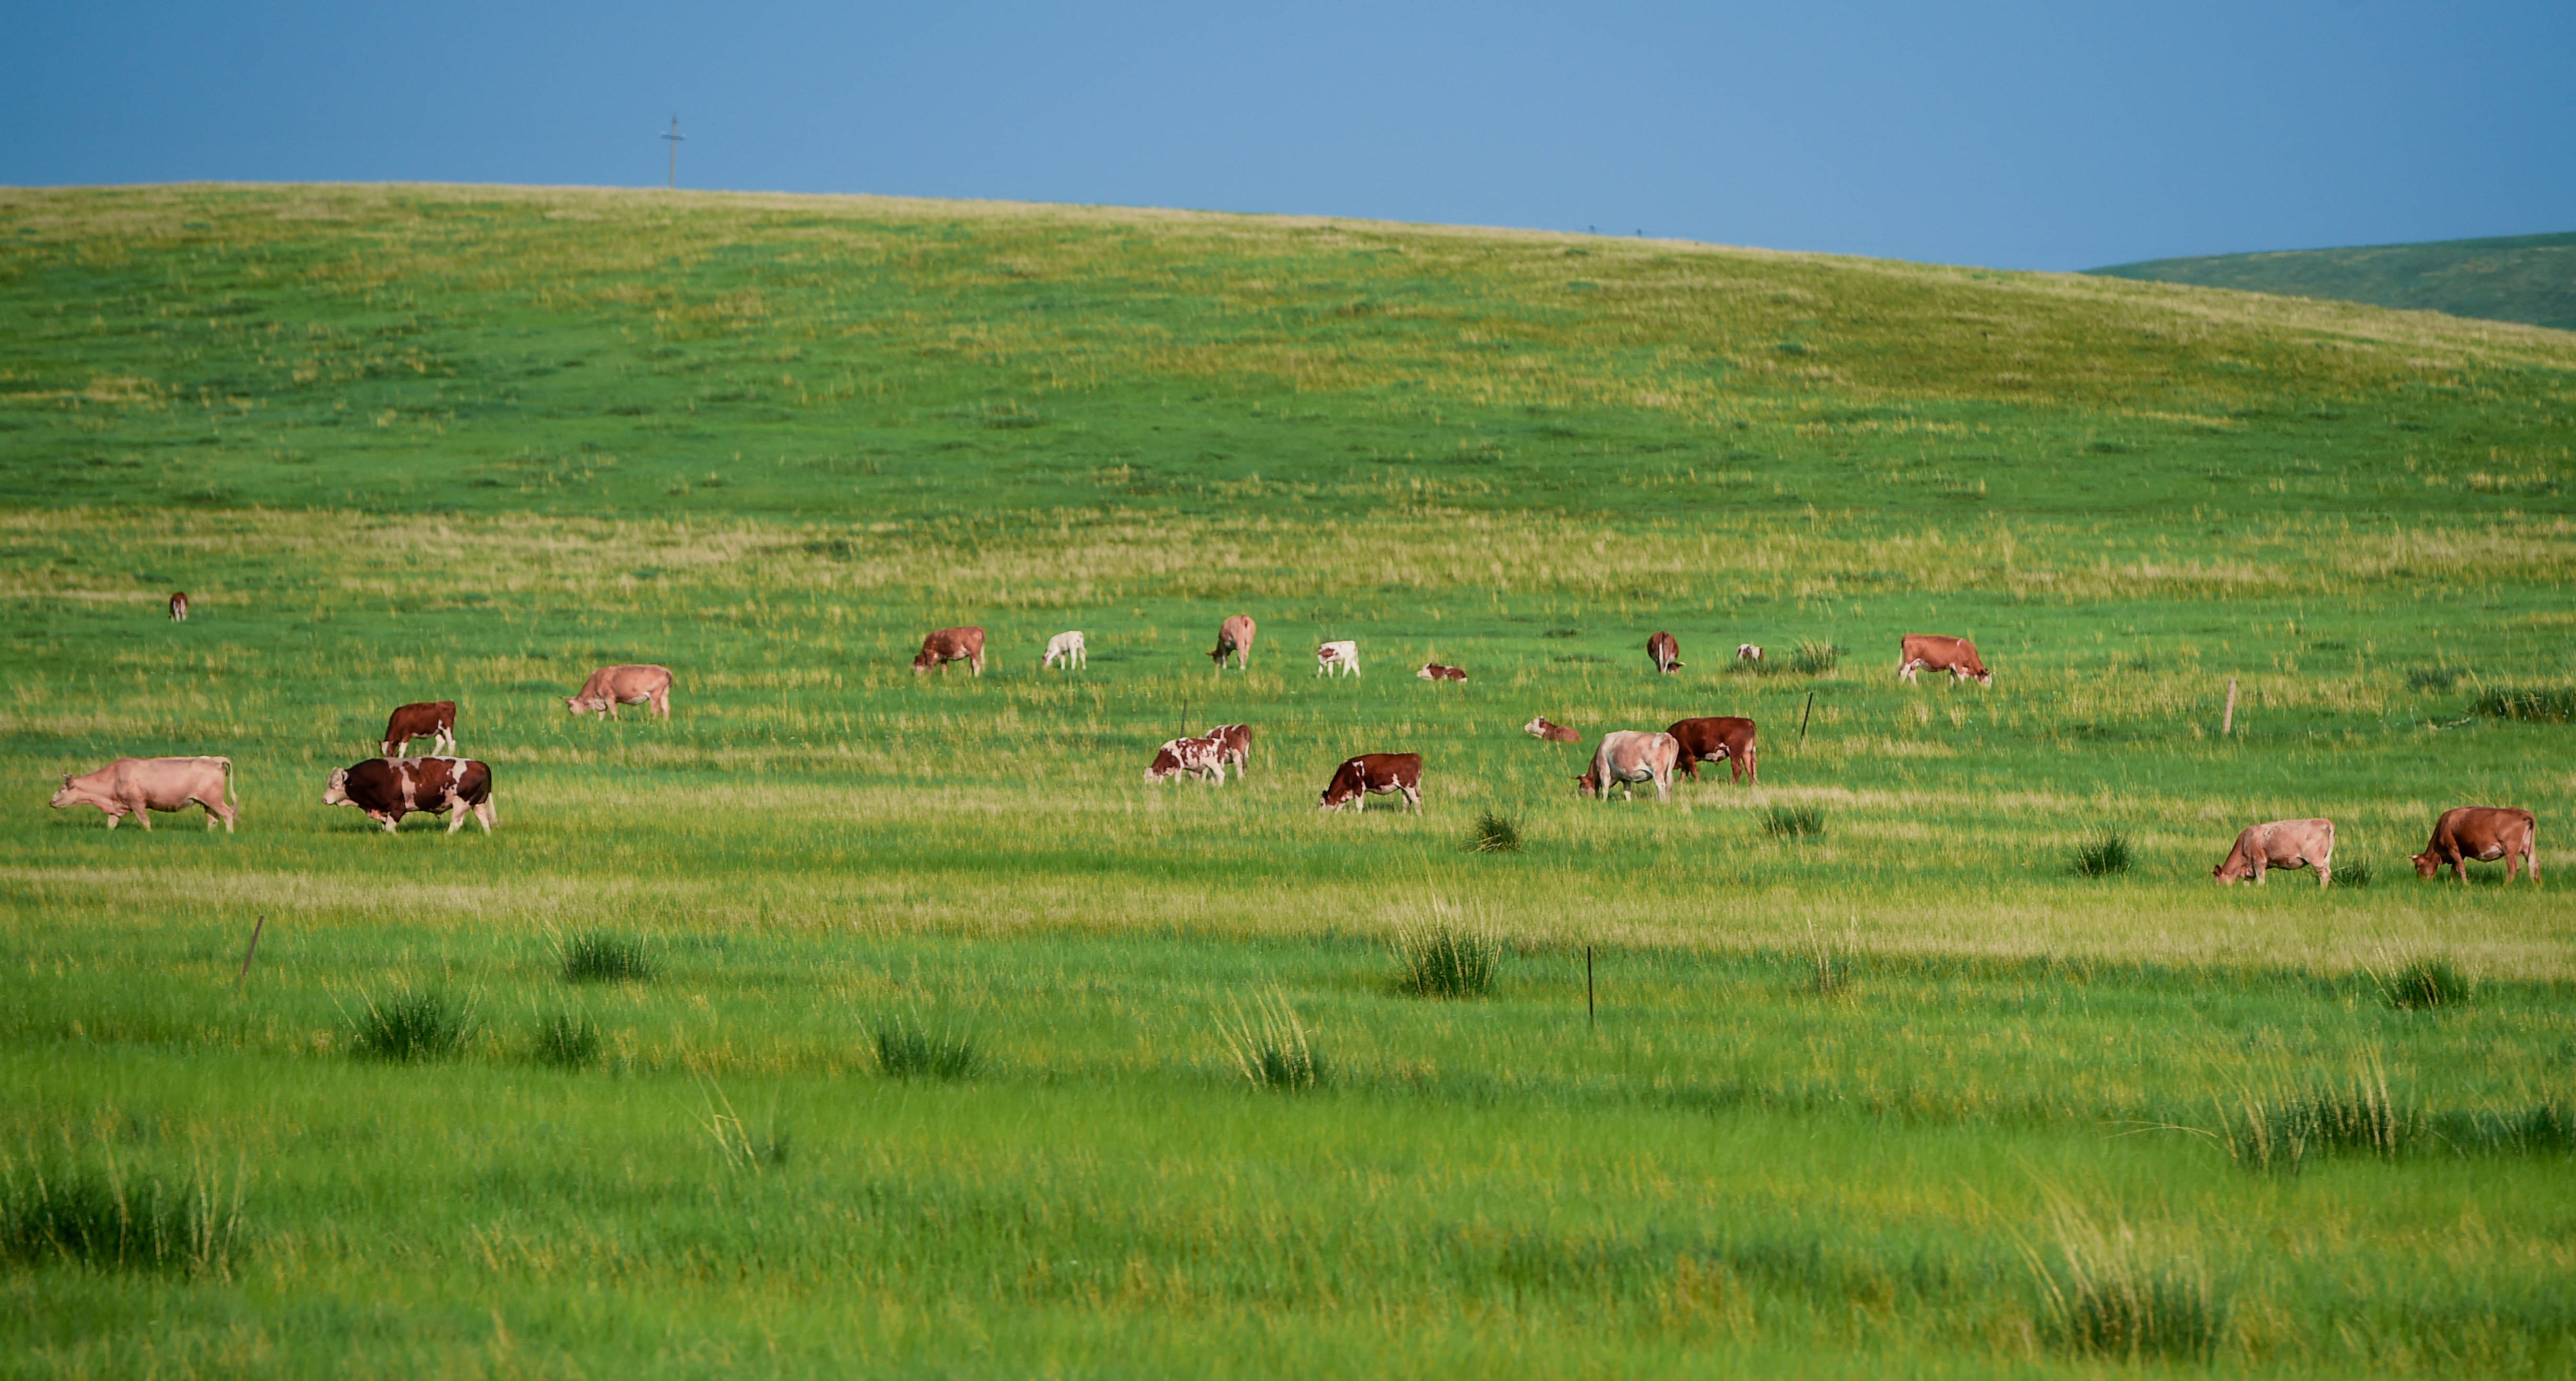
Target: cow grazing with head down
(388,789)
(1433,671)
(1539,727)
(1626,757)
(1957,656)
(1338,657)
(2483,833)
(434,720)
(1666,652)
(1709,740)
(1234,745)
(179,606)
(1188,757)
(632,684)
(139,786)
(951,645)
(1234,639)
(1374,774)
(2280,844)
(1067,648)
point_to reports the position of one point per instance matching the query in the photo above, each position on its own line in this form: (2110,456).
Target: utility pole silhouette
(675,137)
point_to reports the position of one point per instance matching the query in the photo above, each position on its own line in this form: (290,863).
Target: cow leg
(115,818)
(141,810)
(2262,863)
(484,815)
(1413,799)
(456,816)
(2325,870)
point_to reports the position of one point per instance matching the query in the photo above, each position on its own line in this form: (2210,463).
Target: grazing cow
(1957,656)
(388,789)
(1666,653)
(1343,656)
(1234,745)
(1188,757)
(179,606)
(1234,638)
(1709,740)
(633,684)
(1747,652)
(1554,733)
(2483,833)
(1629,756)
(951,645)
(1067,647)
(139,786)
(2280,844)
(1379,774)
(434,720)
(1433,671)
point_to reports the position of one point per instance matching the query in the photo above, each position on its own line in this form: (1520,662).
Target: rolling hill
(2526,278)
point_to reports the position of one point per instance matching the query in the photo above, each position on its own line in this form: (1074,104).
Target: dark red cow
(388,789)
(434,720)
(1666,652)
(1708,740)
(1379,774)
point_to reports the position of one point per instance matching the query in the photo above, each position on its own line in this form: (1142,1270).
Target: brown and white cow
(434,720)
(1337,657)
(1539,727)
(2280,844)
(1666,652)
(1628,756)
(1433,671)
(1068,648)
(1708,740)
(2483,833)
(1188,757)
(633,684)
(1234,745)
(388,789)
(139,786)
(1234,639)
(1747,652)
(951,645)
(178,606)
(1957,656)
(1379,774)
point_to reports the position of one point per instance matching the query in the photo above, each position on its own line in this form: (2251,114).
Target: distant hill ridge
(2526,278)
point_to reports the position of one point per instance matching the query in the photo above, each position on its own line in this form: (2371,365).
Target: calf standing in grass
(1378,774)
(951,645)
(1068,648)
(2484,833)
(1747,652)
(179,606)
(2280,844)
(1666,652)
(139,786)
(1234,639)
(434,720)
(1337,657)
(633,684)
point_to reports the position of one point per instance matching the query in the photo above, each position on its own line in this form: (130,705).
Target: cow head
(1984,677)
(1587,785)
(574,704)
(1537,727)
(338,792)
(2229,872)
(924,660)
(64,797)
(2426,864)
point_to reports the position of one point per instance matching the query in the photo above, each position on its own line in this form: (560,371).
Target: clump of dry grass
(1271,1046)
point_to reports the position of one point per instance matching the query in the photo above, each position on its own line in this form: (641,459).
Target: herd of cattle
(392,785)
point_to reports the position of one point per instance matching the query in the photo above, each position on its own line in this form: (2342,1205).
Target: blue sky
(2013,135)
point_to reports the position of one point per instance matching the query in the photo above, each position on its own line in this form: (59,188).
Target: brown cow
(388,789)
(138,786)
(179,606)
(1234,637)
(633,684)
(2484,833)
(1957,656)
(1628,756)
(1666,653)
(2280,844)
(951,645)
(1539,727)
(434,720)
(1708,740)
(1433,671)
(1379,774)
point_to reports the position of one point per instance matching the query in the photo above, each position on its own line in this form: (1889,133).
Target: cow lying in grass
(2280,844)
(1539,727)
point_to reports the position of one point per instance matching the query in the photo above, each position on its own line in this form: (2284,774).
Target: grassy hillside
(2529,278)
(1846,1071)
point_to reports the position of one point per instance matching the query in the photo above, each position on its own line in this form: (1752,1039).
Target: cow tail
(229,798)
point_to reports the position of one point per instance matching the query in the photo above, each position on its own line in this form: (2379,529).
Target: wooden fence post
(2227,723)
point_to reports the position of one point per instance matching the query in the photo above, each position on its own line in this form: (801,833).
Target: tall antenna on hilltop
(675,137)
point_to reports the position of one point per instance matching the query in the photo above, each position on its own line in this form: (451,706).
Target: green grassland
(2530,278)
(1908,1092)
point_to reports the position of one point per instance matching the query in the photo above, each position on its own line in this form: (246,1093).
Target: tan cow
(1629,756)
(2280,844)
(1234,638)
(951,645)
(2484,833)
(1957,656)
(1539,727)
(1725,737)
(1666,652)
(1378,774)
(179,606)
(139,786)
(632,684)
(434,720)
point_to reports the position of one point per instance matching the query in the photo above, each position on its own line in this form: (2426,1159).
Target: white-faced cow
(1433,671)
(434,720)
(1724,737)
(2280,844)
(1957,656)
(2483,833)
(1666,652)
(388,789)
(1374,774)
(1234,639)
(1338,658)
(951,645)
(1539,727)
(1628,756)
(1188,757)
(1747,652)
(139,786)
(179,606)
(1067,648)
(633,684)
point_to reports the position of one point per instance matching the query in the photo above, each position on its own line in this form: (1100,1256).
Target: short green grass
(1886,1086)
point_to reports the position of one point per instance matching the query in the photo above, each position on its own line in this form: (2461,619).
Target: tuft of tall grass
(2432,678)
(2356,873)
(908,1049)
(2544,1128)
(2104,1292)
(96,1215)
(567,1040)
(1270,1045)
(735,1141)
(1828,973)
(1816,658)
(1443,959)
(599,956)
(2280,1132)
(2426,984)
(1493,834)
(422,1024)
(1794,822)
(2103,857)
(2546,705)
